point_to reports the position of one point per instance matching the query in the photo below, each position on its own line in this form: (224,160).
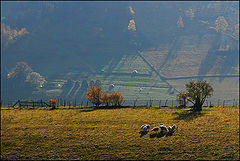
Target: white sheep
(142,126)
(145,126)
(155,129)
(173,127)
(170,129)
(163,127)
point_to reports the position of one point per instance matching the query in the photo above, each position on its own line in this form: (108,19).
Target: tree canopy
(197,92)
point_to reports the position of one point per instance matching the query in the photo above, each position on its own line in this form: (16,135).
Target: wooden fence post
(172,103)
(159,103)
(223,103)
(166,102)
(81,103)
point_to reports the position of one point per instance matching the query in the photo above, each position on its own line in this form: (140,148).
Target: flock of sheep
(164,131)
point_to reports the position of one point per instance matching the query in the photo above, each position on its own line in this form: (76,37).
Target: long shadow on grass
(188,115)
(89,109)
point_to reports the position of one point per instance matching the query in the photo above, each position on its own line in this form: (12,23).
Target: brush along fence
(31,104)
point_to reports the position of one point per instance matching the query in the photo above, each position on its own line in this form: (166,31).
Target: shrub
(107,99)
(117,99)
(53,103)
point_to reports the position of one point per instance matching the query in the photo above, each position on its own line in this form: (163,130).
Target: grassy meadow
(113,134)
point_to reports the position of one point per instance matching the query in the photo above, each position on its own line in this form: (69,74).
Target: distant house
(134,72)
(111,87)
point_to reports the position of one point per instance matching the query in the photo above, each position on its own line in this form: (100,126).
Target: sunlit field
(112,134)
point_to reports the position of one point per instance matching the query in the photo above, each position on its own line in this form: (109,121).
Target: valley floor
(112,134)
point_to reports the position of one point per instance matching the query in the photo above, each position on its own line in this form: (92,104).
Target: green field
(118,72)
(112,134)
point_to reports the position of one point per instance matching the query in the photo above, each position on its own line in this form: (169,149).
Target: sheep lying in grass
(145,127)
(163,127)
(171,130)
(155,129)
(173,127)
(164,130)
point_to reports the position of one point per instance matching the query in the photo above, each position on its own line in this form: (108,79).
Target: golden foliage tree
(24,71)
(117,99)
(131,25)
(131,10)
(180,22)
(11,35)
(94,94)
(221,24)
(53,103)
(107,99)
(20,67)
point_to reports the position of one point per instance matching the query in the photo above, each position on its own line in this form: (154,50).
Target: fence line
(134,103)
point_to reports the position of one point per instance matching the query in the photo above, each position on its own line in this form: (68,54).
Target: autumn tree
(23,73)
(221,24)
(131,25)
(180,22)
(131,10)
(53,103)
(197,92)
(11,35)
(117,99)
(94,94)
(21,68)
(107,99)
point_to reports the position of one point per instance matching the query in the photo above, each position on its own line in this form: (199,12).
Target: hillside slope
(172,40)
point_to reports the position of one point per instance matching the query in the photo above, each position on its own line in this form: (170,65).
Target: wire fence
(133,103)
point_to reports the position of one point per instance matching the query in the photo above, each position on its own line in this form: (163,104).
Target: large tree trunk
(197,106)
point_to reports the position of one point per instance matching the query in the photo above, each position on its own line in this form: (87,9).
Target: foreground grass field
(112,134)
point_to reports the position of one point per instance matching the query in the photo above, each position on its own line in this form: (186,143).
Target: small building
(135,72)
(111,86)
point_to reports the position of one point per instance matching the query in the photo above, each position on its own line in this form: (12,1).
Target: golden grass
(112,134)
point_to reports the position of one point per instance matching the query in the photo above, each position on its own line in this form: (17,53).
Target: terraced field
(143,85)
